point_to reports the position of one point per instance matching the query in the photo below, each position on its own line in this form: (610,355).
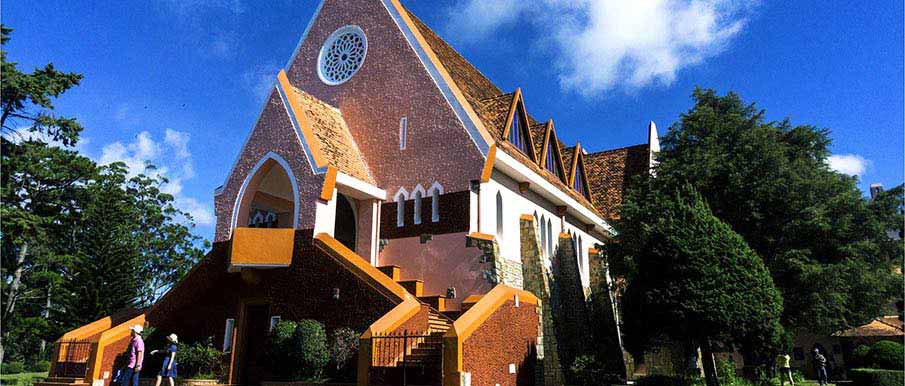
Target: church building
(389,187)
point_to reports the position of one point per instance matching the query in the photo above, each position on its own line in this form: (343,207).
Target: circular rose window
(342,55)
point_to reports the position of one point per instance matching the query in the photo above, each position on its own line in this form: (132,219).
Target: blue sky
(180,83)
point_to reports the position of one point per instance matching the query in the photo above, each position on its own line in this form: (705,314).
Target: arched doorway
(344,228)
(269,197)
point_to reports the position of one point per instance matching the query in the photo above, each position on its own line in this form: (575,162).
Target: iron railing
(72,358)
(407,357)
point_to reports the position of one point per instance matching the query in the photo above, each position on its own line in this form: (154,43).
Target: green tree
(692,278)
(771,183)
(77,241)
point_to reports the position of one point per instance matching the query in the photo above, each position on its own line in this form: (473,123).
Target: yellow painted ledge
(470,321)
(262,247)
(88,330)
(480,236)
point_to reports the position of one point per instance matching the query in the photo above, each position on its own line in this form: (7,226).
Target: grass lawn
(21,379)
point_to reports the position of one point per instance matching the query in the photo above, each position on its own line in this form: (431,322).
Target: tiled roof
(885,326)
(493,106)
(332,134)
(610,174)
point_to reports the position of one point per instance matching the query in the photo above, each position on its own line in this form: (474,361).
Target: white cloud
(851,164)
(172,161)
(605,44)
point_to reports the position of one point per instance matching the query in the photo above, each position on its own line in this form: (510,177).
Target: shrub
(298,350)
(200,360)
(585,370)
(343,347)
(886,355)
(14,367)
(858,357)
(876,377)
(39,367)
(662,380)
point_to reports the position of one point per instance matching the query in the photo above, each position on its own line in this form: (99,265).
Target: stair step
(50,383)
(414,287)
(70,380)
(393,271)
(436,301)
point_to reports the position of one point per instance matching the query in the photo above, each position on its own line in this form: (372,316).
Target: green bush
(14,367)
(298,350)
(200,360)
(343,348)
(39,367)
(662,380)
(858,357)
(886,355)
(877,377)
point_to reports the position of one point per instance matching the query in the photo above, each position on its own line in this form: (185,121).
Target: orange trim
(480,236)
(359,267)
(516,101)
(470,321)
(469,109)
(564,235)
(527,217)
(329,184)
(95,361)
(577,152)
(302,119)
(488,164)
(88,330)
(593,251)
(388,322)
(262,246)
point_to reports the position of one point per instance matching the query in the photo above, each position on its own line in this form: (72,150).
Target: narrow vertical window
(581,264)
(543,235)
(499,215)
(400,198)
(403,132)
(228,335)
(549,238)
(435,205)
(417,198)
(273,322)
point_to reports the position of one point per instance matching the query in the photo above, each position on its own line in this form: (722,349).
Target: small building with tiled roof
(388,186)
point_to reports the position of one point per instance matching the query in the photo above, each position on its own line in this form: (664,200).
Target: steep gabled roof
(326,133)
(883,326)
(611,173)
(492,106)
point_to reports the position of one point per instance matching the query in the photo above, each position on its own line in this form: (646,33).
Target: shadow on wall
(571,321)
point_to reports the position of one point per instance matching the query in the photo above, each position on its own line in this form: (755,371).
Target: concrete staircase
(62,381)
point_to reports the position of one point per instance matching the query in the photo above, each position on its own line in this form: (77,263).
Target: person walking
(784,369)
(822,378)
(129,375)
(168,370)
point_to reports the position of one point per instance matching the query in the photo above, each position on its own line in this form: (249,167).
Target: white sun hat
(137,328)
(173,338)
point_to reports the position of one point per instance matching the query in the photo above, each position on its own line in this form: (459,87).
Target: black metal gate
(406,359)
(72,358)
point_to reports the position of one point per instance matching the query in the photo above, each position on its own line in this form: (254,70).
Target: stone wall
(499,270)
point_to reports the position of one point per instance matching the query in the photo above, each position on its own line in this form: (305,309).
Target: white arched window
(543,235)
(400,198)
(581,266)
(417,197)
(435,191)
(499,215)
(403,132)
(549,238)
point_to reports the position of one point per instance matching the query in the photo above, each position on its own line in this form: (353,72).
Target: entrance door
(344,228)
(257,318)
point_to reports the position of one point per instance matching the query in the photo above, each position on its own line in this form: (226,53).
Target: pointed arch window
(578,183)
(400,198)
(499,215)
(435,191)
(549,238)
(543,235)
(518,131)
(550,163)
(417,198)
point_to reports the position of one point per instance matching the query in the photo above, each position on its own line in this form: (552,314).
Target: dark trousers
(129,377)
(822,377)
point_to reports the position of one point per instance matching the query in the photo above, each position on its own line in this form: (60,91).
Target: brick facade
(511,333)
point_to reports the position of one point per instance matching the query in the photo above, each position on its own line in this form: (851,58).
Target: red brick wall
(453,211)
(391,83)
(443,262)
(507,336)
(115,357)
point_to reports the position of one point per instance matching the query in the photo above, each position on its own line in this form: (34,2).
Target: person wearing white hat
(136,357)
(168,369)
